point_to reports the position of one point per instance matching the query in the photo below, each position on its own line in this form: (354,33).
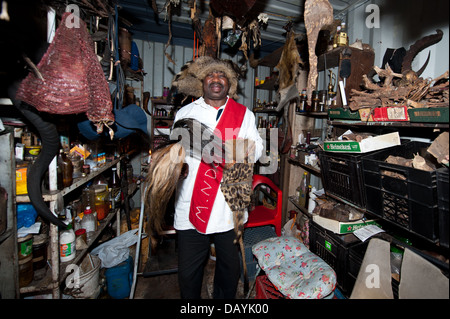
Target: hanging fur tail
(164,173)
(239,230)
(244,265)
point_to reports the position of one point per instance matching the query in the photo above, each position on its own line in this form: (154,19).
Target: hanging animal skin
(317,15)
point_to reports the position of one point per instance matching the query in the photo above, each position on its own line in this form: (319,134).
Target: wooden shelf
(265,111)
(313,114)
(294,201)
(403,124)
(52,196)
(308,167)
(46,283)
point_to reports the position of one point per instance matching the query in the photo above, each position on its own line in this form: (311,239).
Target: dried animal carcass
(318,14)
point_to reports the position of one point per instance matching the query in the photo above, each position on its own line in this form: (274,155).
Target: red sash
(207,181)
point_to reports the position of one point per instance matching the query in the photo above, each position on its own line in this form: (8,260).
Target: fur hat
(189,80)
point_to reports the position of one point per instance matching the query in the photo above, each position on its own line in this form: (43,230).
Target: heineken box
(342,227)
(366,145)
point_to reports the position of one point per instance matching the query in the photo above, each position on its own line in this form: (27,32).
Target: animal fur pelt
(289,62)
(164,173)
(189,80)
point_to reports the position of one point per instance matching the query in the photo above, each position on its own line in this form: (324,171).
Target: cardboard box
(391,113)
(365,114)
(341,227)
(367,145)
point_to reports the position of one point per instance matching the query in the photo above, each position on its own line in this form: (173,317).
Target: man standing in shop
(202,215)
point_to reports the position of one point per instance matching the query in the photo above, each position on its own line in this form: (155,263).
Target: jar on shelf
(323,101)
(315,101)
(26,271)
(101,204)
(66,169)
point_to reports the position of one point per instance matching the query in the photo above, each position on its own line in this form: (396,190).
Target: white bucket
(89,280)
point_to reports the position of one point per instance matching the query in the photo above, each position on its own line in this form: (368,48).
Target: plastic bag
(115,251)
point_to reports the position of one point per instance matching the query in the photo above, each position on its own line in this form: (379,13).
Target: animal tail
(239,230)
(162,179)
(244,265)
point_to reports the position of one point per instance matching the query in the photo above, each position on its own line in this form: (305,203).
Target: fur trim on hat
(189,80)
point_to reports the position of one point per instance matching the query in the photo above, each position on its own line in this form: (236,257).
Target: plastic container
(67,249)
(21,179)
(26,272)
(409,202)
(342,176)
(266,290)
(119,279)
(334,250)
(89,277)
(40,243)
(89,221)
(252,236)
(25,246)
(442,194)
(101,201)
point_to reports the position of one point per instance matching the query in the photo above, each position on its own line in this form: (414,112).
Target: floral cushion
(293,269)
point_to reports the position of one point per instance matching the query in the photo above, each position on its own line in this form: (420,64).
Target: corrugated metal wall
(160,71)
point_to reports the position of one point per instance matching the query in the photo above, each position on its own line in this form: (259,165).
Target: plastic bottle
(312,202)
(66,168)
(303,190)
(89,221)
(67,249)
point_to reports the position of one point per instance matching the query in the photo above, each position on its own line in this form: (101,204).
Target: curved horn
(418,46)
(50,147)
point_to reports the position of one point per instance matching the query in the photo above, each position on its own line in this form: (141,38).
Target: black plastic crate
(333,249)
(252,236)
(408,200)
(442,194)
(342,176)
(355,259)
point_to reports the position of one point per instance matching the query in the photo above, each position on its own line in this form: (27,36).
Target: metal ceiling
(148,26)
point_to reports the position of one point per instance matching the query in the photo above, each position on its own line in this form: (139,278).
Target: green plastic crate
(343,114)
(429,115)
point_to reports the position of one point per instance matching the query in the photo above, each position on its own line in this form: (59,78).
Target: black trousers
(193,252)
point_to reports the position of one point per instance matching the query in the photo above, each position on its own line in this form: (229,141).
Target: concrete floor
(166,286)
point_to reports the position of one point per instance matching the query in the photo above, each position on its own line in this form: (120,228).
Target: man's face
(215,86)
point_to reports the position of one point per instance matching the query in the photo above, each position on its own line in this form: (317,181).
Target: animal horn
(418,46)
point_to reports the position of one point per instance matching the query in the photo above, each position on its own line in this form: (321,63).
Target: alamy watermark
(213,147)
(373,19)
(73,19)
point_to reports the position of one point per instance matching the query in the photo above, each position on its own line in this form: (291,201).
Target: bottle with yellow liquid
(343,36)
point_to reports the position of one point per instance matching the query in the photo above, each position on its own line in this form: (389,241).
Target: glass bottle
(303,190)
(315,101)
(114,186)
(336,36)
(343,37)
(66,168)
(303,101)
